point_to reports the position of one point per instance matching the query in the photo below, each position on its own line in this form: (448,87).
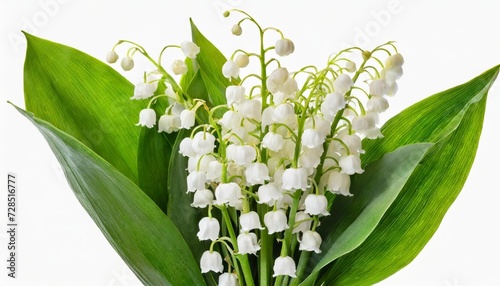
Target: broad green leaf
(453,119)
(210,61)
(153,156)
(85,98)
(188,76)
(354,218)
(181,213)
(140,232)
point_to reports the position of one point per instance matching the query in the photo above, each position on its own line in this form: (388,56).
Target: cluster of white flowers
(273,157)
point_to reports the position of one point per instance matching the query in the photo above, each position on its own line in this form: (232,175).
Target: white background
(444,44)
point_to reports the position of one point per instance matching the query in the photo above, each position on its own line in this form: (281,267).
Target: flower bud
(366,55)
(209,229)
(275,221)
(310,241)
(226,14)
(316,205)
(187,118)
(236,30)
(284,266)
(147,117)
(202,198)
(190,49)
(350,165)
(169,123)
(284,47)
(279,76)
(242,60)
(395,61)
(179,67)
(290,86)
(247,243)
(228,279)
(350,66)
(211,261)
(230,70)
(112,57)
(127,63)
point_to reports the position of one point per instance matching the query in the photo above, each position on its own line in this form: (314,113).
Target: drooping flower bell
(350,165)
(169,123)
(256,174)
(230,70)
(196,181)
(228,193)
(211,261)
(127,63)
(179,67)
(147,117)
(250,221)
(112,57)
(275,221)
(303,222)
(187,118)
(209,229)
(190,49)
(247,243)
(202,198)
(295,179)
(228,279)
(310,241)
(316,205)
(284,47)
(284,266)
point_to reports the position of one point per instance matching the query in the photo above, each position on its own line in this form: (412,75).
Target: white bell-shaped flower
(186,147)
(112,57)
(179,67)
(284,266)
(339,183)
(250,221)
(289,87)
(275,221)
(273,141)
(247,243)
(269,194)
(230,120)
(310,158)
(242,60)
(303,222)
(228,279)
(147,117)
(282,113)
(395,61)
(312,138)
(284,47)
(214,171)
(230,70)
(211,261)
(250,108)
(393,89)
(377,104)
(334,102)
(203,143)
(256,174)
(363,122)
(350,165)
(353,142)
(316,205)
(200,163)
(343,83)
(190,49)
(209,229)
(276,79)
(196,181)
(202,198)
(379,87)
(228,193)
(311,241)
(391,75)
(241,155)
(127,63)
(144,90)
(169,123)
(295,179)
(234,94)
(187,118)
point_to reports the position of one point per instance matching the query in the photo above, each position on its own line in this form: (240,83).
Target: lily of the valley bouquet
(240,171)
